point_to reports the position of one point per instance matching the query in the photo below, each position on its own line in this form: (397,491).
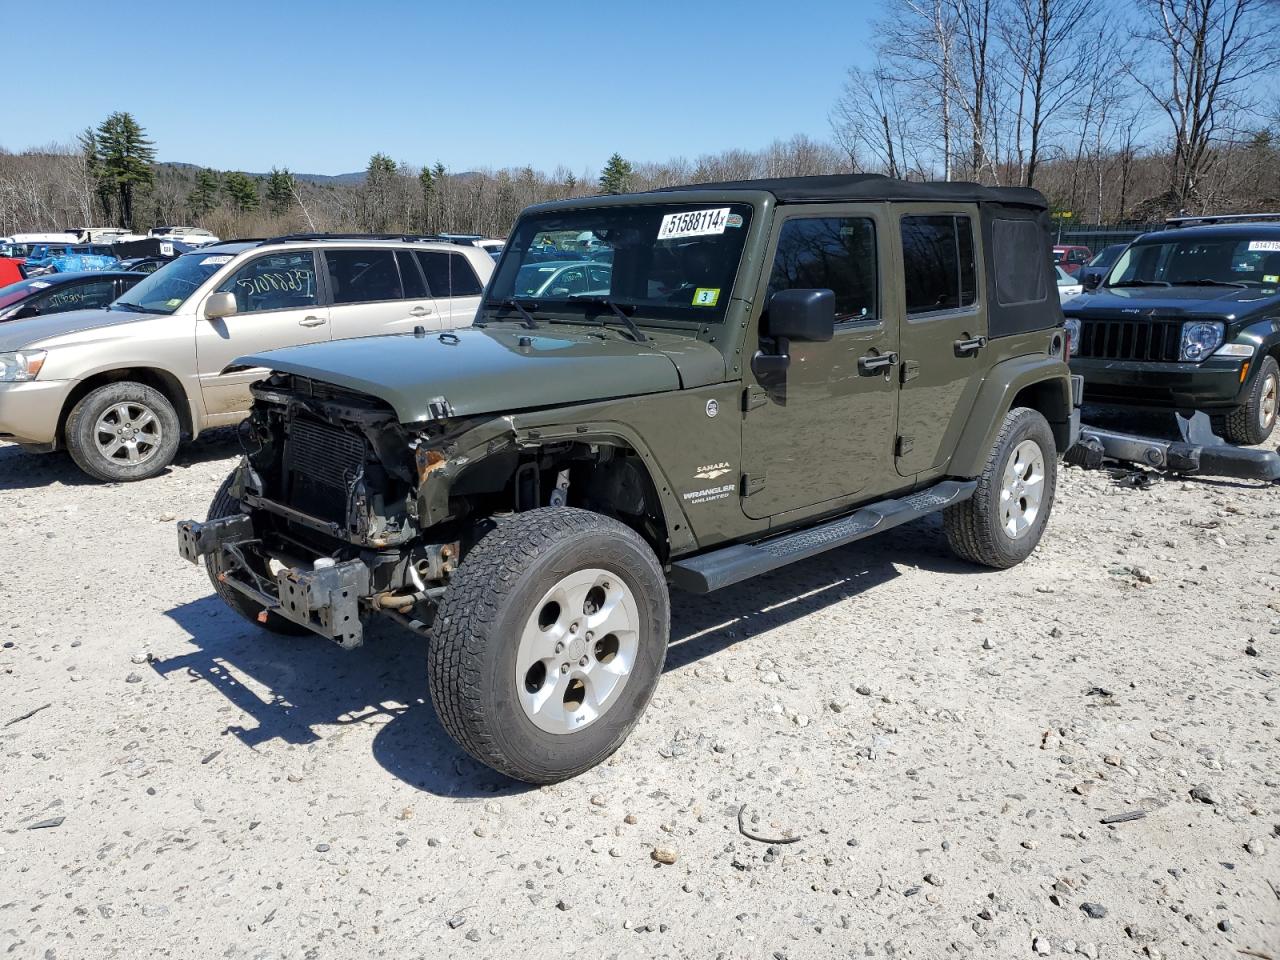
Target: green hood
(499,369)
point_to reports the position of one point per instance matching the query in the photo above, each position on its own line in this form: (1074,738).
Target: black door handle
(869,364)
(970,346)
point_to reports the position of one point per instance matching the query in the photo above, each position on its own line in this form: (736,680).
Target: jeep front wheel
(1252,423)
(1003,521)
(549,643)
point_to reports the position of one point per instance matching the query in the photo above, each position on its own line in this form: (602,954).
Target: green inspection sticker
(706,296)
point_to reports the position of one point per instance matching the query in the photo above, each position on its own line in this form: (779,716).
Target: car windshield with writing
(168,288)
(658,261)
(1192,262)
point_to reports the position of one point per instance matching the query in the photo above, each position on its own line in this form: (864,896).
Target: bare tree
(1208,51)
(1043,38)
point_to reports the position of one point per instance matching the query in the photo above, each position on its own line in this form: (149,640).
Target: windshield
(1196,261)
(168,288)
(668,261)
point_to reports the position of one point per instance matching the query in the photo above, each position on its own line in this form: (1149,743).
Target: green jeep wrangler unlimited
(738,376)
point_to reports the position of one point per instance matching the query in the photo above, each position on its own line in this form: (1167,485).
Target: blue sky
(319,86)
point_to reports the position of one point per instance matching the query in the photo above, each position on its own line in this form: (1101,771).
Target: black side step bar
(720,568)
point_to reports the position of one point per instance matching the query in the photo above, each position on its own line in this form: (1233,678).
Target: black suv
(1188,319)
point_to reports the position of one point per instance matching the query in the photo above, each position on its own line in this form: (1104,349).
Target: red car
(1071,258)
(10,270)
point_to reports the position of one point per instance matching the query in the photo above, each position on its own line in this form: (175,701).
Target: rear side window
(449,274)
(1018,256)
(363,276)
(278,281)
(411,276)
(937,263)
(829,253)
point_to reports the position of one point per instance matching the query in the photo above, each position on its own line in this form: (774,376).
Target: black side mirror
(30,310)
(1092,280)
(807,315)
(802,315)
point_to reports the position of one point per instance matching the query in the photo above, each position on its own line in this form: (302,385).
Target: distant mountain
(341,179)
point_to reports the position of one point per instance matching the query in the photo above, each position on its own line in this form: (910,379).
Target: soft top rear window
(1019,262)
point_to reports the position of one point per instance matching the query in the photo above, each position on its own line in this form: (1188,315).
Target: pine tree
(281,190)
(427,183)
(242,191)
(125,159)
(102,190)
(204,197)
(379,186)
(616,176)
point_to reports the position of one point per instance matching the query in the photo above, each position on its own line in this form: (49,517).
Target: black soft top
(874,186)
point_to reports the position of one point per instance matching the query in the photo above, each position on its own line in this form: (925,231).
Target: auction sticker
(695,223)
(706,296)
(214,261)
(1266,246)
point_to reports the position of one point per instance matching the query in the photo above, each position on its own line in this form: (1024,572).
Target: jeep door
(823,431)
(278,304)
(944,330)
(453,282)
(377,290)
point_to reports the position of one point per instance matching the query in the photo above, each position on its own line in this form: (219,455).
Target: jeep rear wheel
(549,643)
(1252,423)
(1003,521)
(123,431)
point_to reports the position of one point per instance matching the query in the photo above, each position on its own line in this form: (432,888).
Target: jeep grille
(1129,340)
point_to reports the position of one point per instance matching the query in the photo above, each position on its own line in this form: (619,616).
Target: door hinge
(903,446)
(910,370)
(753,397)
(752,483)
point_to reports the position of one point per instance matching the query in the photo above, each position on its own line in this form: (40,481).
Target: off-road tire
(471,663)
(1247,425)
(225,505)
(83,420)
(973,528)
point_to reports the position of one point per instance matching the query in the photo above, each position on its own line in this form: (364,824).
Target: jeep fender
(438,468)
(1048,382)
(680,537)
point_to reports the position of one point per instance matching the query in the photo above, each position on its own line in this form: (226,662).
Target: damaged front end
(342,510)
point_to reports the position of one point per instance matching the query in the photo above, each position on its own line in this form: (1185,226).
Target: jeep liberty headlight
(1072,327)
(21,366)
(1199,339)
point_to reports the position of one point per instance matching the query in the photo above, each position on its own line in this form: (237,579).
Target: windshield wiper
(636,334)
(1208,282)
(1140,283)
(518,307)
(131,307)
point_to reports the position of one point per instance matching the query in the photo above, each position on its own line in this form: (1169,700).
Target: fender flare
(996,396)
(680,538)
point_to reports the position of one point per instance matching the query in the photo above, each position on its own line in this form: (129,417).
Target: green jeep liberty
(685,387)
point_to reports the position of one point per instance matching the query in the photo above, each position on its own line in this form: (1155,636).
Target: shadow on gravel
(20,470)
(292,685)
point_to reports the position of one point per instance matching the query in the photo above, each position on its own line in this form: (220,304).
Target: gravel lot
(946,744)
